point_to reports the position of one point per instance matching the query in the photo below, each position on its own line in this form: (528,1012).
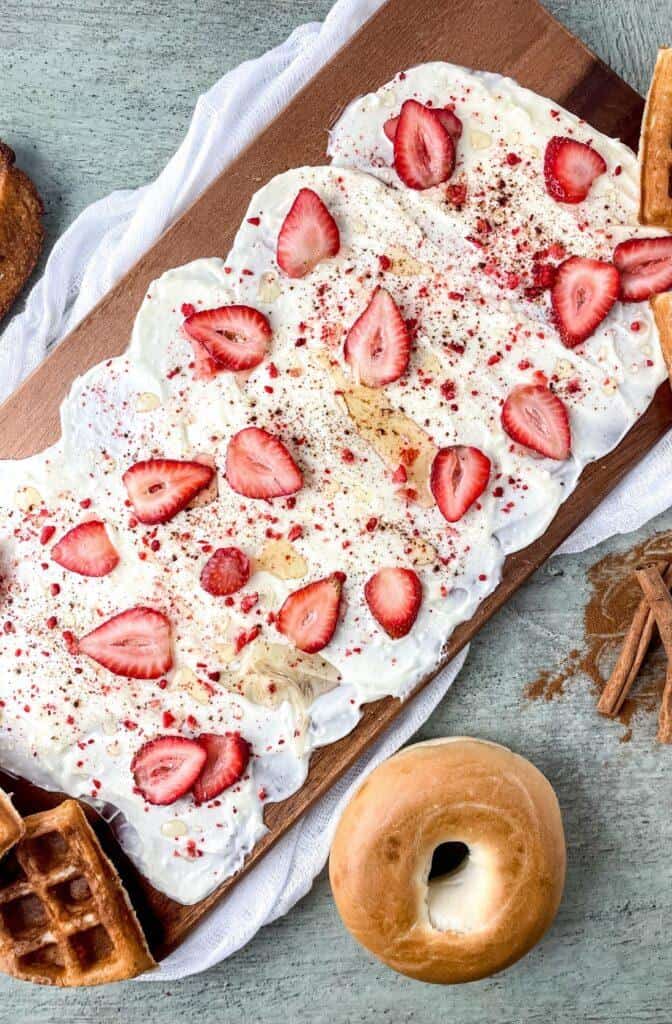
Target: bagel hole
(447,859)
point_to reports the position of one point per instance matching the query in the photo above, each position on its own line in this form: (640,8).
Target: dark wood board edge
(528,43)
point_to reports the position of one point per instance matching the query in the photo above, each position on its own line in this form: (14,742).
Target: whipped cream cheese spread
(462,261)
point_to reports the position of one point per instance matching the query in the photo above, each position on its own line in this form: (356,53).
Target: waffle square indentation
(24,916)
(92,946)
(44,962)
(71,897)
(48,851)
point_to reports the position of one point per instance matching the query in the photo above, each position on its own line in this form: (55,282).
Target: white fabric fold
(101,244)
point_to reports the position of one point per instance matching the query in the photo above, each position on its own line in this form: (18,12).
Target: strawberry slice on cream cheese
(166,768)
(227,758)
(160,488)
(458,478)
(570,168)
(394,597)
(309,616)
(232,337)
(86,549)
(259,465)
(536,418)
(645,266)
(135,643)
(378,345)
(424,151)
(309,234)
(582,295)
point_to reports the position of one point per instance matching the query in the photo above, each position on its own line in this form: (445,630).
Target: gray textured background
(96,95)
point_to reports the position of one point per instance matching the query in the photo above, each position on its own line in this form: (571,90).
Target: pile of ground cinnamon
(615,598)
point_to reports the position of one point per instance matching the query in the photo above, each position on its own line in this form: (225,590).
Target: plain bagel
(487,912)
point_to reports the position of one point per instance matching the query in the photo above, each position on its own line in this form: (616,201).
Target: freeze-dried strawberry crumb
(46,533)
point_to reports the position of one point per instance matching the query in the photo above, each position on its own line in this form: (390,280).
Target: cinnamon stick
(633,652)
(658,596)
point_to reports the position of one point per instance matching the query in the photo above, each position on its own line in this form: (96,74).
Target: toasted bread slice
(21,231)
(655,152)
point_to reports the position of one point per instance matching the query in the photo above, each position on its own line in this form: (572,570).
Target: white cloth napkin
(104,241)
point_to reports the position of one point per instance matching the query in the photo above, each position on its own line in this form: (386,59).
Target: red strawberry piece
(86,549)
(394,597)
(446,116)
(309,616)
(378,344)
(583,292)
(225,572)
(424,152)
(309,234)
(459,476)
(226,760)
(536,418)
(160,488)
(234,337)
(645,266)
(570,168)
(167,767)
(135,643)
(259,466)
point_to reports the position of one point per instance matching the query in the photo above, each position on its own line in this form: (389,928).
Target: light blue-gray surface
(96,95)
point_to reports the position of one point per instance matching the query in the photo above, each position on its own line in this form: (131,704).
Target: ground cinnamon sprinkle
(615,595)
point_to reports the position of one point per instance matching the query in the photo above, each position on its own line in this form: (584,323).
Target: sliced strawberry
(135,643)
(309,616)
(86,549)
(570,168)
(446,116)
(536,418)
(309,234)
(160,488)
(424,152)
(259,466)
(225,572)
(645,266)
(394,597)
(167,767)
(234,337)
(583,292)
(459,476)
(227,758)
(378,345)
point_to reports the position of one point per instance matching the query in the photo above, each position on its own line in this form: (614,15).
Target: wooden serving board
(514,37)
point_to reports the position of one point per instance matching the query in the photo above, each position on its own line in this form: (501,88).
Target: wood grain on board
(514,37)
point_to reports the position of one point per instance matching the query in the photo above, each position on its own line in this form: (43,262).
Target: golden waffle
(655,163)
(655,153)
(65,918)
(11,824)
